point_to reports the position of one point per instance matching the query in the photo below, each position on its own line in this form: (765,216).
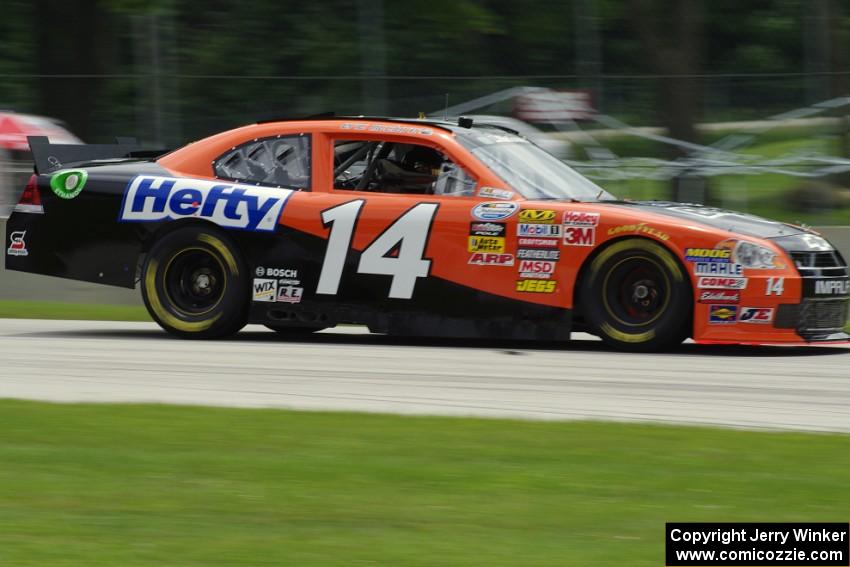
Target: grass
(144,485)
(57,310)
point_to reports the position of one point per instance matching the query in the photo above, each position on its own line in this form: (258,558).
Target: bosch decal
(708,255)
(494,210)
(722,314)
(718,269)
(540,230)
(762,315)
(277,272)
(265,289)
(487,228)
(538,254)
(536,286)
(244,207)
(710,282)
(486,244)
(17,245)
(537,216)
(481,259)
(579,236)
(720,296)
(578,218)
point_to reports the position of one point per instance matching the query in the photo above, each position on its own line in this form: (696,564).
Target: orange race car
(414,227)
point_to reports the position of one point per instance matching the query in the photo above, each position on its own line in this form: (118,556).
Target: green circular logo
(68,184)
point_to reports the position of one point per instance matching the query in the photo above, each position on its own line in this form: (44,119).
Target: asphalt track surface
(802,388)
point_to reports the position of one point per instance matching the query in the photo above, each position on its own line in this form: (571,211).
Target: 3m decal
(494,193)
(539,269)
(718,269)
(537,216)
(17,245)
(580,218)
(538,242)
(711,282)
(289,293)
(538,254)
(774,286)
(708,255)
(722,314)
(494,210)
(832,287)
(539,230)
(245,207)
(265,289)
(408,235)
(720,296)
(762,315)
(486,244)
(481,259)
(639,228)
(536,286)
(579,236)
(487,228)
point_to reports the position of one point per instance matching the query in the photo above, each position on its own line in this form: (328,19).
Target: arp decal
(718,269)
(231,205)
(580,218)
(538,254)
(494,193)
(722,314)
(711,282)
(708,255)
(492,211)
(719,296)
(639,228)
(17,245)
(536,286)
(481,259)
(265,289)
(541,216)
(486,244)
(762,315)
(539,230)
(579,235)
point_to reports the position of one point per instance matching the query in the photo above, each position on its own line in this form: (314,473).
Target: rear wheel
(194,285)
(636,296)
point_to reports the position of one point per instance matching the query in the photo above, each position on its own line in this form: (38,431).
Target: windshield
(528,169)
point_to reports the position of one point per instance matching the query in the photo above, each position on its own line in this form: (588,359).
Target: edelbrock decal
(231,205)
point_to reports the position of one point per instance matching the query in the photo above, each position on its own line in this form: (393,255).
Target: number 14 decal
(775,286)
(408,235)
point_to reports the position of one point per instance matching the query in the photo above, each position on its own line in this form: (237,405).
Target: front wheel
(194,285)
(636,296)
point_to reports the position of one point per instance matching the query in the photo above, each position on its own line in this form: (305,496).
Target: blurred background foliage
(169,71)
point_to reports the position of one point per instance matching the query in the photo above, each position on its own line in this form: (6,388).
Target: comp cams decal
(17,245)
(491,211)
(711,282)
(231,205)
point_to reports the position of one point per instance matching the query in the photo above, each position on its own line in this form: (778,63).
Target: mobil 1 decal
(398,252)
(150,198)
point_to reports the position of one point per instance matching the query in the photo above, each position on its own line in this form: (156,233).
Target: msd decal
(17,246)
(538,269)
(230,205)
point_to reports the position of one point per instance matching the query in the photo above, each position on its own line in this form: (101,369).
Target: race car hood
(740,223)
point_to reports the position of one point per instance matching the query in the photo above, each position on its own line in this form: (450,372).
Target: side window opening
(281,161)
(392,167)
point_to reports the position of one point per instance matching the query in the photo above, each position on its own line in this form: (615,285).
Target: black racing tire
(195,285)
(636,296)
(293,331)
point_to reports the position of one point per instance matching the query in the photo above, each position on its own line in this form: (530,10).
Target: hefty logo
(756,315)
(230,205)
(577,218)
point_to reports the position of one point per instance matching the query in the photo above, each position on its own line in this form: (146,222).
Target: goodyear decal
(231,205)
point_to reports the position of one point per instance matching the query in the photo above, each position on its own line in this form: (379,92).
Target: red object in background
(14,129)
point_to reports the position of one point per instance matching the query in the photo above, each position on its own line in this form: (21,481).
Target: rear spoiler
(53,157)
